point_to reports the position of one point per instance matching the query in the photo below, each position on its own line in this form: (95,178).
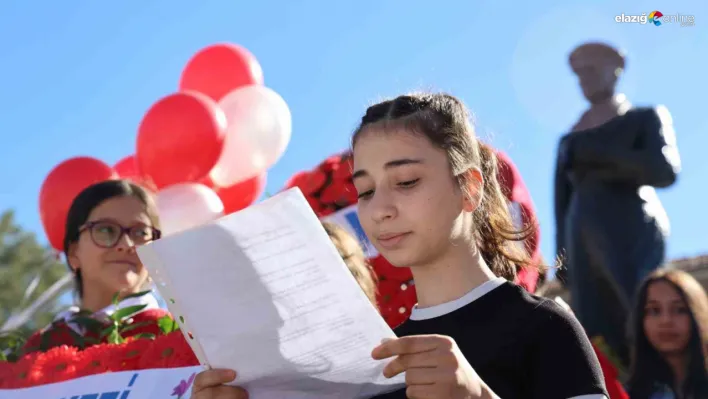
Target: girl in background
(355,259)
(105,223)
(670,338)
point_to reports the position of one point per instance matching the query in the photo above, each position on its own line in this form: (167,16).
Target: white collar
(449,307)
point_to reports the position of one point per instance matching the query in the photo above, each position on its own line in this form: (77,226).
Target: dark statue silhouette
(610,224)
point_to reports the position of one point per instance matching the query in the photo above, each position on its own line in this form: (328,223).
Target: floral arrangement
(329,188)
(128,340)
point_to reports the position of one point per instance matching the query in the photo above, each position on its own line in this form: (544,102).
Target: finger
(422,392)
(221,392)
(411,344)
(423,376)
(407,362)
(213,378)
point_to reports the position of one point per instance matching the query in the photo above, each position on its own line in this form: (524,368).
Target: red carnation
(57,364)
(315,180)
(333,193)
(331,163)
(349,193)
(344,171)
(21,371)
(97,359)
(147,321)
(128,355)
(167,351)
(6,374)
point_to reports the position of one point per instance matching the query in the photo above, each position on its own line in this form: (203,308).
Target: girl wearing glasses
(105,223)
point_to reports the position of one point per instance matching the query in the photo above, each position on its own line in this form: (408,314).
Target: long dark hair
(648,367)
(445,121)
(89,199)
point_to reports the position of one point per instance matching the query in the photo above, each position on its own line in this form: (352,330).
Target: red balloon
(180,139)
(60,188)
(127,167)
(217,70)
(242,194)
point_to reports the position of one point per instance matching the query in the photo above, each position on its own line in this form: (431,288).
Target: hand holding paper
(264,292)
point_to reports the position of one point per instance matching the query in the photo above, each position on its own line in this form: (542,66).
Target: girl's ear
(475,190)
(72,259)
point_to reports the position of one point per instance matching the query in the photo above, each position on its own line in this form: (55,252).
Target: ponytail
(496,233)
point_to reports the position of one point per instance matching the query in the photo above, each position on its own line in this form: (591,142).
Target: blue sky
(76,78)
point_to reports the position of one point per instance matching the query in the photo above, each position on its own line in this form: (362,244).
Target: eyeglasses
(107,234)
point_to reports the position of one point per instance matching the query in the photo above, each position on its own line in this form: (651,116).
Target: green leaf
(3,358)
(116,298)
(115,338)
(89,323)
(166,323)
(108,331)
(149,336)
(120,314)
(137,294)
(133,326)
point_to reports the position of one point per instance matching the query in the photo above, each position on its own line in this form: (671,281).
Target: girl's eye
(653,311)
(409,183)
(681,310)
(365,194)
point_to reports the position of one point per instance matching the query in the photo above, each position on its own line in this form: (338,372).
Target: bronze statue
(610,224)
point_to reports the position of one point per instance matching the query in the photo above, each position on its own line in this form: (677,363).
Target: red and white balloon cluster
(204,149)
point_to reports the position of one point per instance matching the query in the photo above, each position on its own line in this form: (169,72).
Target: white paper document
(264,292)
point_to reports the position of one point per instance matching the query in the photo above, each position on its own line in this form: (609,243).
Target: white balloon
(187,205)
(259,130)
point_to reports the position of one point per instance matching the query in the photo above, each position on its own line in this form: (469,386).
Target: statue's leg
(608,263)
(645,254)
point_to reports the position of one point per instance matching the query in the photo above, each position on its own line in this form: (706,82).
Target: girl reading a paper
(104,224)
(429,199)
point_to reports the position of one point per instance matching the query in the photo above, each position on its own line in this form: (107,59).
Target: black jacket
(609,170)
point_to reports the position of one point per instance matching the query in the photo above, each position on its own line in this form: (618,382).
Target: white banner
(173,383)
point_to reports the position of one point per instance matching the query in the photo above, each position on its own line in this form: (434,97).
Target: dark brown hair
(648,367)
(89,199)
(445,122)
(355,259)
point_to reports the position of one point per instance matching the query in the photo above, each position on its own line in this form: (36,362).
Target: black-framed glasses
(107,233)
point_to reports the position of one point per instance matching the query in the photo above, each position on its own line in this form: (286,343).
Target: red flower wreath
(168,351)
(97,359)
(21,371)
(7,375)
(56,365)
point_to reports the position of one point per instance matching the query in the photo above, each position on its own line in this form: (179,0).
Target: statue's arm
(655,161)
(562,191)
